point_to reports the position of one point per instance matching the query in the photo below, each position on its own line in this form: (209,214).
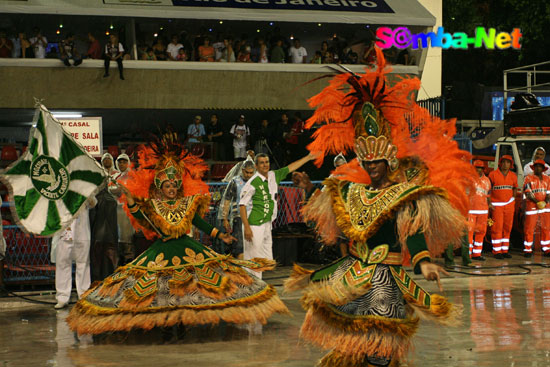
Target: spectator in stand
(228,55)
(240,133)
(244,54)
(149,55)
(199,42)
(114,52)
(182,56)
(39,43)
(206,51)
(294,135)
(329,58)
(215,135)
(68,51)
(280,136)
(297,53)
(187,46)
(94,50)
(352,58)
(317,59)
(218,47)
(16,50)
(263,137)
(277,52)
(72,244)
(195,131)
(231,216)
(27,51)
(263,51)
(324,51)
(369,56)
(6,46)
(172,50)
(160,49)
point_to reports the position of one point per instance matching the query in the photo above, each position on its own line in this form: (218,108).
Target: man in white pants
(258,206)
(72,244)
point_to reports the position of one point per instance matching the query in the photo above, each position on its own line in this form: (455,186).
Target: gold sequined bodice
(172,212)
(366,205)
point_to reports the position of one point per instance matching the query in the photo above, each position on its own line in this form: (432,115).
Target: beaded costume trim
(173,213)
(365,206)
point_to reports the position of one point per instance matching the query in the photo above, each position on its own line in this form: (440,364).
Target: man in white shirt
(72,244)
(39,44)
(240,133)
(298,53)
(173,48)
(538,153)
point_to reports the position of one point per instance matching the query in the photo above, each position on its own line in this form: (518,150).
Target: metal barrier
(28,257)
(435,105)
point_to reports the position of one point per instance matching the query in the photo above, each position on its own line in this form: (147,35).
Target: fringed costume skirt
(177,282)
(364,313)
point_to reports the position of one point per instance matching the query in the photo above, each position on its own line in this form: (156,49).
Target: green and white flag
(52,180)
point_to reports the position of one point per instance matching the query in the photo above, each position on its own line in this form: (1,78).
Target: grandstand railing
(435,105)
(28,256)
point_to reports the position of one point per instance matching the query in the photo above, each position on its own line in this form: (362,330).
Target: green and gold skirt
(177,282)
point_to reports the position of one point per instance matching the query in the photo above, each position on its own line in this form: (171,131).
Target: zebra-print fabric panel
(383,299)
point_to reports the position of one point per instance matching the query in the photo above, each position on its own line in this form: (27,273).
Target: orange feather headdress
(377,120)
(164,159)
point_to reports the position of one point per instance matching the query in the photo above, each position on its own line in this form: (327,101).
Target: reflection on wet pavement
(506,323)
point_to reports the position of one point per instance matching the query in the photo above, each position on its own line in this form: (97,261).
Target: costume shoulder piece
(360,211)
(172,218)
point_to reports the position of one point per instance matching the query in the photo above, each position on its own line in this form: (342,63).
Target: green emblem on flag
(52,180)
(49,177)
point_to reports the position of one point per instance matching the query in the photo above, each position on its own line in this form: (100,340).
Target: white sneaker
(60,305)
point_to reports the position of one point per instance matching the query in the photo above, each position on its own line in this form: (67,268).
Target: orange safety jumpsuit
(478,214)
(502,198)
(539,187)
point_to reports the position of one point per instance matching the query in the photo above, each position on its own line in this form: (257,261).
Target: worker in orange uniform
(504,185)
(480,203)
(536,188)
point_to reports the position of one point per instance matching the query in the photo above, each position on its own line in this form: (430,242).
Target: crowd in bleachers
(204,46)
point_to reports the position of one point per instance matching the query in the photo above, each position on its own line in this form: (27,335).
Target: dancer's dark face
(169,190)
(377,170)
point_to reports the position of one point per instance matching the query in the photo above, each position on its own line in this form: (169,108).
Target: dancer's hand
(248,233)
(431,271)
(227,238)
(226,226)
(129,198)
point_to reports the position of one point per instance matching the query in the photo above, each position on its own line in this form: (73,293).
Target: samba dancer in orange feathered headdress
(177,280)
(403,194)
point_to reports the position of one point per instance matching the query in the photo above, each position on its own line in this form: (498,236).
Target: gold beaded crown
(169,171)
(372,131)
